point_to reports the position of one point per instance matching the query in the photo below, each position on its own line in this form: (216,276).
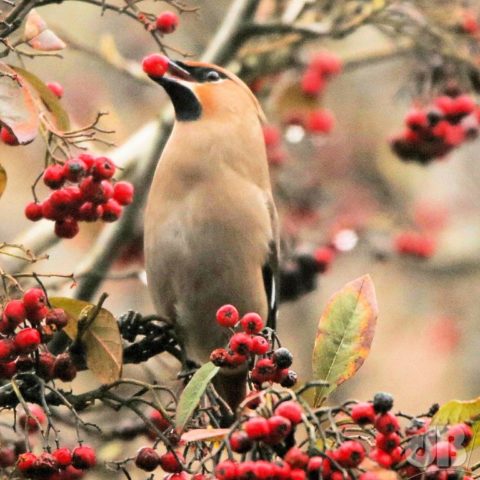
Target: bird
(211,228)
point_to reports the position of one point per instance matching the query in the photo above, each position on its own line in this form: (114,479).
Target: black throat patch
(186,105)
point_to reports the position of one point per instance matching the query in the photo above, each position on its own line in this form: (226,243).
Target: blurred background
(345,186)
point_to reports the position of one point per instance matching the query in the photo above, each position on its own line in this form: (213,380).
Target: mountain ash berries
(250,343)
(83,191)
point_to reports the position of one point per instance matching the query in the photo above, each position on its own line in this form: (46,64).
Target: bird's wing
(271,270)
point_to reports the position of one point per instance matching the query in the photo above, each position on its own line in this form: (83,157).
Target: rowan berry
(57,317)
(387,423)
(226,470)
(84,457)
(27,340)
(241,343)
(257,428)
(14,314)
(147,459)
(158,419)
(33,211)
(26,462)
(34,299)
(103,169)
(166,22)
(227,316)
(298,474)
(155,65)
(64,368)
(387,442)
(75,169)
(240,442)
(123,193)
(350,454)
(45,465)
(54,176)
(319,121)
(260,345)
(63,456)
(112,211)
(291,410)
(171,462)
(251,323)
(66,228)
(279,428)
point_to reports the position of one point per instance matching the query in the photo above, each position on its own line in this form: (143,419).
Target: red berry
(271,135)
(220,357)
(416,119)
(226,470)
(263,470)
(279,427)
(326,63)
(57,317)
(7,370)
(111,211)
(90,212)
(257,428)
(260,345)
(350,454)
(147,459)
(319,121)
(56,88)
(298,474)
(45,366)
(240,442)
(54,176)
(460,435)
(27,340)
(74,169)
(241,343)
(66,228)
(123,193)
(64,368)
(251,323)
(7,457)
(166,22)
(8,137)
(227,316)
(323,257)
(387,442)
(157,418)
(32,422)
(7,349)
(291,410)
(363,413)
(14,314)
(171,463)
(33,211)
(264,370)
(63,456)
(296,458)
(26,461)
(96,191)
(103,169)
(312,83)
(36,316)
(387,423)
(383,458)
(236,359)
(84,457)
(34,299)
(155,65)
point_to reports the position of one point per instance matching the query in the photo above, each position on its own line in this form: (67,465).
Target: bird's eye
(212,76)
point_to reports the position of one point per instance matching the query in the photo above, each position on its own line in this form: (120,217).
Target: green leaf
(345,334)
(102,341)
(18,111)
(458,411)
(3,180)
(50,100)
(191,396)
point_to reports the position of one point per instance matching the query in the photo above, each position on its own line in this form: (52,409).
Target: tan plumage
(210,221)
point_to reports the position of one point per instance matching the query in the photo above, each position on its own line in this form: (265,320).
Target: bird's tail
(231,386)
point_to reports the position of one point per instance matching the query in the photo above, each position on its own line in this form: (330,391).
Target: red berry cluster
(414,244)
(25,324)
(59,464)
(435,130)
(82,191)
(249,345)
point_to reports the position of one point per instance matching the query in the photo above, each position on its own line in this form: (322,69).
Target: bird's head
(204,91)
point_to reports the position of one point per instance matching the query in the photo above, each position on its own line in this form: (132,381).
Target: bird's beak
(178,71)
